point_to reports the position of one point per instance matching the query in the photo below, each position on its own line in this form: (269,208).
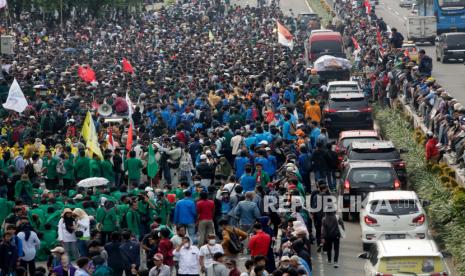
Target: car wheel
(366,246)
(345,216)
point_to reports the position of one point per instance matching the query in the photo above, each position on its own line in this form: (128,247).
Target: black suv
(450,45)
(378,151)
(360,178)
(347,111)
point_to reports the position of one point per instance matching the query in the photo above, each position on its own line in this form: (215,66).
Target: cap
(285,259)
(158,257)
(58,249)
(203,156)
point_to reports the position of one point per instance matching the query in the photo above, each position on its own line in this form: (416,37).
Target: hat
(203,157)
(291,187)
(66,210)
(263,143)
(285,259)
(158,257)
(267,148)
(58,249)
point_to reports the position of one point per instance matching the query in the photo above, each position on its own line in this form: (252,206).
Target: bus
(450,14)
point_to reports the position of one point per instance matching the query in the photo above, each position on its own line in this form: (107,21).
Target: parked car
(391,215)
(406,3)
(450,45)
(347,111)
(361,178)
(349,136)
(405,257)
(380,151)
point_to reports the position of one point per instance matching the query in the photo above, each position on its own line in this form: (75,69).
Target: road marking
(396,12)
(405,18)
(389,8)
(308,6)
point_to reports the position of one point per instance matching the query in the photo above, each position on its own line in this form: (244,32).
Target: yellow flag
(89,134)
(210,36)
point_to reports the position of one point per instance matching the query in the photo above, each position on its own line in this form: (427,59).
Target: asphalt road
(449,75)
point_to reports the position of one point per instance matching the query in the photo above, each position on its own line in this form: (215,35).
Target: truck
(421,29)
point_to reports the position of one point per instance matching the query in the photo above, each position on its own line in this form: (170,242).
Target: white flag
(285,37)
(130,106)
(16,100)
(2,4)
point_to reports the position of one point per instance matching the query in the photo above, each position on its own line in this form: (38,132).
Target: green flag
(152,166)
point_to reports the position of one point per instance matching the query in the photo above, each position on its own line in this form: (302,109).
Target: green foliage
(435,183)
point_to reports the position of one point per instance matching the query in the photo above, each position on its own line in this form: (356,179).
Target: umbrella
(70,50)
(93,182)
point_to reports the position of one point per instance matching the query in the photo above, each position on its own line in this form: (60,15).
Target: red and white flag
(129,139)
(86,74)
(127,67)
(285,37)
(378,38)
(368,6)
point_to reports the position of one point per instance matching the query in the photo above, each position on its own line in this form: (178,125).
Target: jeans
(320,175)
(29,265)
(331,243)
(118,179)
(71,250)
(191,231)
(82,248)
(331,179)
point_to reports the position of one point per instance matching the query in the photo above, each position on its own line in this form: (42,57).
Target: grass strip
(432,182)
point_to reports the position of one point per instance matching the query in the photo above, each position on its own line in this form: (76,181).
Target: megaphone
(105,110)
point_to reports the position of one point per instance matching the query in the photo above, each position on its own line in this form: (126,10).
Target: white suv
(391,215)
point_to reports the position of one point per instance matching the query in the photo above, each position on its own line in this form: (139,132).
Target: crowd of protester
(232,117)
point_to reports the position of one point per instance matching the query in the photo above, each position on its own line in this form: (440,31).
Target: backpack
(292,129)
(61,167)
(235,244)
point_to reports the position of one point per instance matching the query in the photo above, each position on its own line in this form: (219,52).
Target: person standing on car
(331,235)
(425,66)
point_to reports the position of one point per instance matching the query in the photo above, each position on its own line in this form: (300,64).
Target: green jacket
(95,168)
(51,165)
(264,179)
(25,185)
(163,210)
(121,210)
(106,168)
(5,209)
(82,167)
(69,166)
(102,270)
(133,166)
(133,220)
(107,218)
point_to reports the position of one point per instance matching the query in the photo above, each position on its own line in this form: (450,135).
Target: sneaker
(330,263)
(319,248)
(336,265)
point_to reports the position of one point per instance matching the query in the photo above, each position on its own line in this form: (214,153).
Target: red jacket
(431,149)
(165,247)
(259,244)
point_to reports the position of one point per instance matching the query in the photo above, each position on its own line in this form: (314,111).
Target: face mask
(211,242)
(186,245)
(285,265)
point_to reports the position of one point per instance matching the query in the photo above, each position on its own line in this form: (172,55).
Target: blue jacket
(286,134)
(247,212)
(248,183)
(185,212)
(239,165)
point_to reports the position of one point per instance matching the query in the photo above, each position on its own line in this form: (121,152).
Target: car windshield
(374,154)
(414,265)
(367,177)
(347,87)
(351,103)
(326,46)
(394,207)
(456,39)
(347,141)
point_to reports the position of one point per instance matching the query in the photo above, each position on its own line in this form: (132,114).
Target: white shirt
(63,234)
(235,144)
(188,260)
(84,226)
(30,246)
(208,251)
